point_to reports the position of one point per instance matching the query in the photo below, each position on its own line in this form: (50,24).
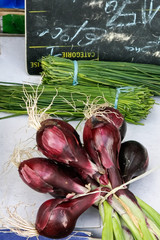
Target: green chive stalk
(106,73)
(72,101)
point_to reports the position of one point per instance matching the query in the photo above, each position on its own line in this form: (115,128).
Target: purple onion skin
(57,219)
(133,159)
(61,144)
(113,116)
(45,176)
(102,142)
(64,125)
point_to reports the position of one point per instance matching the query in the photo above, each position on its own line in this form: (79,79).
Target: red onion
(113,116)
(102,142)
(46,176)
(57,219)
(61,144)
(133,159)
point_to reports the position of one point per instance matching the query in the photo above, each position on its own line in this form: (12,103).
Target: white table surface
(13,130)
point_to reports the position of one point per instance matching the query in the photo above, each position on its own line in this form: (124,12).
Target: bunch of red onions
(78,176)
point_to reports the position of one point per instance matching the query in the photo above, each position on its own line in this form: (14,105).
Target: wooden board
(5,11)
(113,30)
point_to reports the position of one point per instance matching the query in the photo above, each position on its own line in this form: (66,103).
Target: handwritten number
(59,32)
(89,34)
(110,6)
(79,30)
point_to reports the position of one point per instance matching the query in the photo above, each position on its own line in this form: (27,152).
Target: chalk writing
(144,49)
(122,13)
(88,34)
(119,17)
(51,50)
(148,16)
(110,6)
(118,14)
(93,29)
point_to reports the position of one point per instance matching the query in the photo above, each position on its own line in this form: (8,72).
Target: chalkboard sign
(112,30)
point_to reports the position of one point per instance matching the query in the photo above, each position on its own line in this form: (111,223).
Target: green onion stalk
(73,102)
(106,73)
(128,221)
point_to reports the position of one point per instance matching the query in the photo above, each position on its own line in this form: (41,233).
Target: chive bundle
(71,101)
(114,74)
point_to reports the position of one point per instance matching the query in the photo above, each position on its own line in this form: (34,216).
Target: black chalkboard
(112,30)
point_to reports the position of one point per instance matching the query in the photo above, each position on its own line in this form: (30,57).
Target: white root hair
(21,153)
(35,115)
(93,108)
(12,221)
(96,109)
